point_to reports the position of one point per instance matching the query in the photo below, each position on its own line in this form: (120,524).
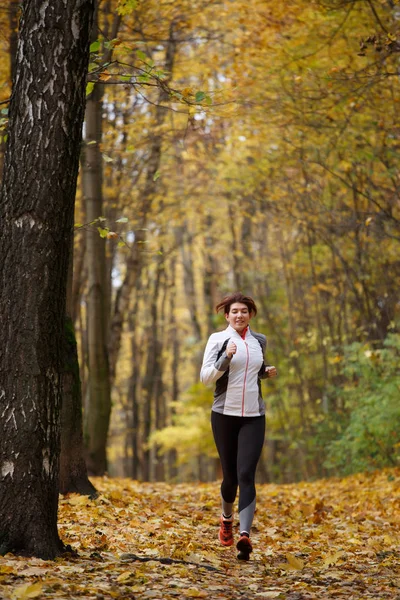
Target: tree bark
(98,401)
(36,216)
(73,471)
(152,381)
(134,381)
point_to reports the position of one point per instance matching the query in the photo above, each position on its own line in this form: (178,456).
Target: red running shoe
(225,534)
(245,548)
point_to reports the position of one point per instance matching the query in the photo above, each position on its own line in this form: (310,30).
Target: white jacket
(237,379)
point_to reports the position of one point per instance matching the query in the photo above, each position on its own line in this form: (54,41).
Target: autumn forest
(156,156)
(237,146)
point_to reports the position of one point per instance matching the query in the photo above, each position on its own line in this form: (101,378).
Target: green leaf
(199,97)
(160,74)
(95,46)
(103,231)
(107,159)
(78,225)
(142,56)
(156,175)
(89,88)
(122,220)
(126,6)
(121,243)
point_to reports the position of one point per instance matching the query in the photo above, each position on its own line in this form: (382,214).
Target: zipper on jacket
(245,377)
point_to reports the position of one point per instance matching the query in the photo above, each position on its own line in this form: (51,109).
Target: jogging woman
(234,361)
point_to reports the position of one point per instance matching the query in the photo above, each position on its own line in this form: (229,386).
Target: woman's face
(238,316)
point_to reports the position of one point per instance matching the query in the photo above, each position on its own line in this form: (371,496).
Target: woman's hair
(226,303)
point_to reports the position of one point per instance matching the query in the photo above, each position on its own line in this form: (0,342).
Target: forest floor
(334,538)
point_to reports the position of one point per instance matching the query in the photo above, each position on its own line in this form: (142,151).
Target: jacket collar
(233,331)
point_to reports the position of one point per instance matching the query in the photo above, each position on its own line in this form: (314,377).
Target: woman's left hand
(271,370)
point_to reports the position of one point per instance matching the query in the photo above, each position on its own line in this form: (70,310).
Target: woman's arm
(266,371)
(213,367)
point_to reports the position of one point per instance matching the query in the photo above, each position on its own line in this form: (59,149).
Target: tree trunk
(73,471)
(175,350)
(152,381)
(98,401)
(36,216)
(133,390)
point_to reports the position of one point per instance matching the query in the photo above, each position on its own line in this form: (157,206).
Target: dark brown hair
(226,303)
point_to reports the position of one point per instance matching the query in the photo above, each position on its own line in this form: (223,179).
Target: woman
(234,361)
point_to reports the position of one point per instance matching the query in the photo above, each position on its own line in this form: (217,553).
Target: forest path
(333,538)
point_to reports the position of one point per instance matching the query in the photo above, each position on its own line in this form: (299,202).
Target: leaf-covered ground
(327,539)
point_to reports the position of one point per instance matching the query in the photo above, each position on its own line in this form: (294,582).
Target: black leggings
(239,442)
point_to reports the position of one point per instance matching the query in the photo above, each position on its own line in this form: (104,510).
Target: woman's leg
(250,444)
(225,429)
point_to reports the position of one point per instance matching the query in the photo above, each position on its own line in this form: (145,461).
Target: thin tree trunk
(79,278)
(73,471)
(175,348)
(152,383)
(133,391)
(98,401)
(237,275)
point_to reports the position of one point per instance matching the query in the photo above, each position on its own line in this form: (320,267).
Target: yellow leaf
(29,590)
(125,576)
(295,563)
(332,559)
(6,569)
(186,92)
(195,593)
(78,500)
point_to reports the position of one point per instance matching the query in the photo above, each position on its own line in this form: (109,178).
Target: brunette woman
(234,361)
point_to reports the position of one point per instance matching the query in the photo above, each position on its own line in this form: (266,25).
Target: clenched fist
(271,371)
(231,349)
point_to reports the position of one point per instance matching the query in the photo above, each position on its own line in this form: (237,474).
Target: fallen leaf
(27,591)
(294,562)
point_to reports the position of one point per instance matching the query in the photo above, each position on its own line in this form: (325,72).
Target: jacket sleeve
(212,368)
(262,374)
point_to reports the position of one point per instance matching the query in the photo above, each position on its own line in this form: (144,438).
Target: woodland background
(239,145)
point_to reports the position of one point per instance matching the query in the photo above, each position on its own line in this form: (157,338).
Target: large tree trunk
(36,216)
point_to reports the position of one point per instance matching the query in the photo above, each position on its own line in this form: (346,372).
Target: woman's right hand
(231,349)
